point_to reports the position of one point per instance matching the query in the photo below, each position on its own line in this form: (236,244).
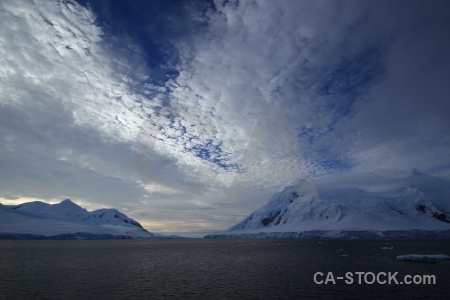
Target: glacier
(66,220)
(419,208)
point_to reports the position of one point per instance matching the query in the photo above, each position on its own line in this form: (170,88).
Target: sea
(222,269)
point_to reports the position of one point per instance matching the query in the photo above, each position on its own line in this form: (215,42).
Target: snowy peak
(303,191)
(300,193)
(110,216)
(66,207)
(292,205)
(69,205)
(32,206)
(423,203)
(437,189)
(59,211)
(67,217)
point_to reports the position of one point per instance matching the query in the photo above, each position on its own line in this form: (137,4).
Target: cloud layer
(193,127)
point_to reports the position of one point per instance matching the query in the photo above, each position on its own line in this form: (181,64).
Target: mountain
(437,189)
(66,220)
(420,208)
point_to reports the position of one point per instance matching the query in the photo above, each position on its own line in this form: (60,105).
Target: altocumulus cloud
(67,115)
(247,98)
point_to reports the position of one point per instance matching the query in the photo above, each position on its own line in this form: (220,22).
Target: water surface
(213,269)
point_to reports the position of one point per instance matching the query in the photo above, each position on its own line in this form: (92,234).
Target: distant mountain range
(421,208)
(66,220)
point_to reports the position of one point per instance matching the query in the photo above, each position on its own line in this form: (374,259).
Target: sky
(188,115)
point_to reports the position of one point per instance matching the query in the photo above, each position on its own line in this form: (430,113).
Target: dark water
(214,269)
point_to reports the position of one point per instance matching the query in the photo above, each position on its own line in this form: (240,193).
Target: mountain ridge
(421,205)
(67,219)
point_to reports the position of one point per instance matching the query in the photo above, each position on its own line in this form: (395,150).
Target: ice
(387,248)
(423,258)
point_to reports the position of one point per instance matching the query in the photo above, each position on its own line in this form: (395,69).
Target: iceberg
(423,258)
(387,248)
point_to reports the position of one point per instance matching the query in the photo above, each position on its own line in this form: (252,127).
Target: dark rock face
(438,215)
(267,221)
(421,208)
(441,217)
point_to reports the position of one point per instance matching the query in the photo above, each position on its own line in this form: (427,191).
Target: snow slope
(419,209)
(66,218)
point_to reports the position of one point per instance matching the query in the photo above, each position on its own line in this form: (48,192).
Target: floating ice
(387,248)
(423,258)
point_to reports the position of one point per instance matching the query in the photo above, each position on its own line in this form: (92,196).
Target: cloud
(77,117)
(199,124)
(255,58)
(68,116)
(401,122)
(332,76)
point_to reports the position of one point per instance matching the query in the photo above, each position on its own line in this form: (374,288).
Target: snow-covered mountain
(66,220)
(420,208)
